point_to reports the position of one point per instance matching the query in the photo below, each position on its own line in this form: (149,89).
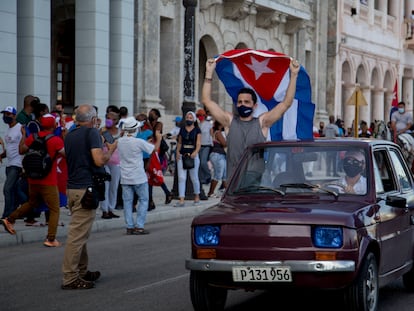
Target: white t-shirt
(206,139)
(12,141)
(132,165)
(359,188)
(401,119)
(175,131)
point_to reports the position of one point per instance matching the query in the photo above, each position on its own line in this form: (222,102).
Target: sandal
(79,284)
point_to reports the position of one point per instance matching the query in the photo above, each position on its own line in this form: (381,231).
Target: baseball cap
(131,123)
(201,112)
(9,109)
(178,119)
(47,121)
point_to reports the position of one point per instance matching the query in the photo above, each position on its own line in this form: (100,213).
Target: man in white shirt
(14,159)
(401,121)
(133,176)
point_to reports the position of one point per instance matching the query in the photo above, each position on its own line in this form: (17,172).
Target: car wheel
(362,295)
(204,296)
(408,280)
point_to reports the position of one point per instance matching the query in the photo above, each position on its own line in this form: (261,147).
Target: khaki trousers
(75,260)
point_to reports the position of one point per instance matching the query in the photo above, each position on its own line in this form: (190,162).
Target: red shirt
(54,145)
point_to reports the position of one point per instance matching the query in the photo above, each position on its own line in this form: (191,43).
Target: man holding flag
(245,129)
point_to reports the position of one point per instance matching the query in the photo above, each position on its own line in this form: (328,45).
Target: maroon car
(326,214)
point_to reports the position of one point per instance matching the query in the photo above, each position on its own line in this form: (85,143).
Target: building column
(364,111)
(378,105)
(33,49)
(150,75)
(189,55)
(387,104)
(121,57)
(349,110)
(407,93)
(8,54)
(91,53)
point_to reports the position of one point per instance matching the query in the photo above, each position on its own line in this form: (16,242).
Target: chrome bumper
(295,265)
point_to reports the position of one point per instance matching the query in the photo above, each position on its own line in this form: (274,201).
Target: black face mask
(189,122)
(352,167)
(151,118)
(244,111)
(7,119)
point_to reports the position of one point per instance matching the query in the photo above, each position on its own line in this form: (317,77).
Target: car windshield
(282,169)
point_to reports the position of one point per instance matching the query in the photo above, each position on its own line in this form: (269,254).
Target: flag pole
(356,113)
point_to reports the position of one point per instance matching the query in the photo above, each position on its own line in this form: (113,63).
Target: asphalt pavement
(162,212)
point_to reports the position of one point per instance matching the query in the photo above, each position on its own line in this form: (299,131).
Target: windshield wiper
(310,186)
(256,188)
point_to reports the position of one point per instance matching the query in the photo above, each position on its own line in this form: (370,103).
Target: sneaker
(8,226)
(179,204)
(54,243)
(91,276)
(79,284)
(196,203)
(140,231)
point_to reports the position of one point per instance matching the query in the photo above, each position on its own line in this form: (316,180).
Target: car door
(395,227)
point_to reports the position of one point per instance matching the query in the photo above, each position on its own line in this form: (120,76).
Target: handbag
(154,172)
(163,146)
(188,162)
(90,200)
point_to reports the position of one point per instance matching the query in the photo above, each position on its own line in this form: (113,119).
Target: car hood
(352,214)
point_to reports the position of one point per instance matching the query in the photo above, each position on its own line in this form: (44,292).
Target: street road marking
(160,283)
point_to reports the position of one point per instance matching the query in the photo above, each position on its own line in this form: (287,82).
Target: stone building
(145,53)
(151,53)
(370,44)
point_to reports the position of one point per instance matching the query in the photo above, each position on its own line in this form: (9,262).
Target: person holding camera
(84,153)
(188,147)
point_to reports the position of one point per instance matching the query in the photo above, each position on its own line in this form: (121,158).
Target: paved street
(161,213)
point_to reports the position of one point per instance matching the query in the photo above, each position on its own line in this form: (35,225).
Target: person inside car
(354,165)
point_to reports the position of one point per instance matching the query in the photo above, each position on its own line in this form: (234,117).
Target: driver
(354,165)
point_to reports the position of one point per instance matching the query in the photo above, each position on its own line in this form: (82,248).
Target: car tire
(205,297)
(408,280)
(362,295)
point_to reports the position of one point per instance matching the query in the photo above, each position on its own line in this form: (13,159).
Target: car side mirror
(396,201)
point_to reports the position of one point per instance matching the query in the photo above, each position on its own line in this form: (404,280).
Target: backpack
(37,162)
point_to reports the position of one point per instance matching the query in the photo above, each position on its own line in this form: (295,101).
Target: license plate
(261,274)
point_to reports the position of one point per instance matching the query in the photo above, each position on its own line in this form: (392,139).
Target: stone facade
(134,53)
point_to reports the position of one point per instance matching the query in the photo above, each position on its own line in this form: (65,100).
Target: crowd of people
(95,164)
(23,199)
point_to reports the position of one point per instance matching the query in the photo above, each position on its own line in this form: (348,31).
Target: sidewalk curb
(162,213)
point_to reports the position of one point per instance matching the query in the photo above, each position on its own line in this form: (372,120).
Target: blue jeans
(204,171)
(128,196)
(10,189)
(218,160)
(182,177)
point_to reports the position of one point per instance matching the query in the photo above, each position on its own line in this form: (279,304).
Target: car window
(295,169)
(400,170)
(384,181)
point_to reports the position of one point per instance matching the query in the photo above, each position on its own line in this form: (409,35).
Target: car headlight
(328,237)
(207,235)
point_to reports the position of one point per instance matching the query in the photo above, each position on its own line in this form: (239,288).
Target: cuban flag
(267,73)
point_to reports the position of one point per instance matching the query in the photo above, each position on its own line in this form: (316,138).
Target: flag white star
(259,68)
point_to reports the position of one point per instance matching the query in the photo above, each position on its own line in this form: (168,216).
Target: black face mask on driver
(352,167)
